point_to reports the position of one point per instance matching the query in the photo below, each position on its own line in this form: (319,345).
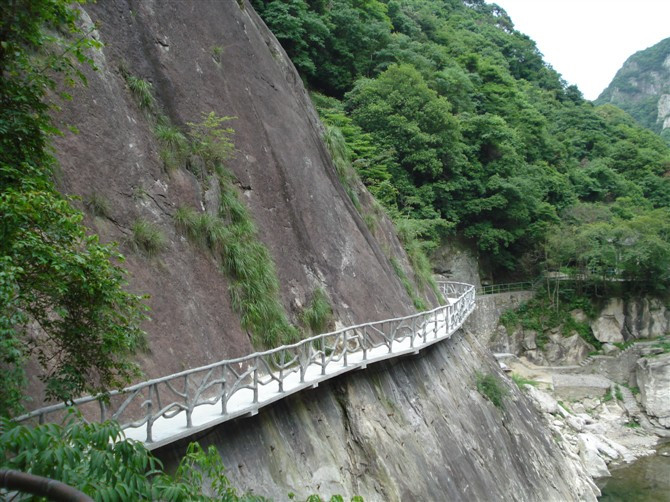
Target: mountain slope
(642,88)
(203,57)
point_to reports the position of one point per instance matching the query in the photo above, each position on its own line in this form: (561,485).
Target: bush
(490,387)
(98,460)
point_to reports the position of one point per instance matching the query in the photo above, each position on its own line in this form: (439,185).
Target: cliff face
(202,57)
(414,430)
(642,88)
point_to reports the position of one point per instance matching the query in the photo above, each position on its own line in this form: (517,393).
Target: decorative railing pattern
(165,409)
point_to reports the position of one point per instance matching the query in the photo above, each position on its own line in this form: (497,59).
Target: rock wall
(414,430)
(653,379)
(621,320)
(484,320)
(202,57)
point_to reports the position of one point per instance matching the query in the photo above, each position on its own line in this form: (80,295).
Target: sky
(587,41)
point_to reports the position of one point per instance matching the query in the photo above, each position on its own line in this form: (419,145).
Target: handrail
(244,384)
(492,289)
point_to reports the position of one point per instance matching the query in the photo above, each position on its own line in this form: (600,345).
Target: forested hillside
(456,124)
(642,88)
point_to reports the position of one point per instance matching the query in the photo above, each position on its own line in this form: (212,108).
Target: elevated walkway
(160,411)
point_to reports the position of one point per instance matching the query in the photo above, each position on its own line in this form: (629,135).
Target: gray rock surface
(608,327)
(566,351)
(589,452)
(580,386)
(646,318)
(413,430)
(653,378)
(284,175)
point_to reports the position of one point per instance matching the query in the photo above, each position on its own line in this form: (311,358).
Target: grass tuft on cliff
(490,387)
(232,237)
(318,315)
(147,238)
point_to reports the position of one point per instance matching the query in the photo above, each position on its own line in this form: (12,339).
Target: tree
(61,298)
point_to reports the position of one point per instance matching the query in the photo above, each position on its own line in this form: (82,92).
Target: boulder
(536,357)
(590,456)
(568,351)
(609,325)
(543,401)
(579,315)
(653,379)
(529,339)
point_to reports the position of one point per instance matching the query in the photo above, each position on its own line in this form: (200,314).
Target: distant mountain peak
(642,88)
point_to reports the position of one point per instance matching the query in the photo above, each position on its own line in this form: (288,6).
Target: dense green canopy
(456,123)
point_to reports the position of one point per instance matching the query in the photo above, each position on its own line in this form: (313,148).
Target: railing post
(103,410)
(150,418)
(255,379)
(281,370)
(365,343)
(304,361)
(323,355)
(411,338)
(189,407)
(346,346)
(224,392)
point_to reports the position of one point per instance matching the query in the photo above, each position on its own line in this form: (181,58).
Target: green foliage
(544,313)
(232,237)
(408,231)
(254,287)
(217,50)
(449,115)
(96,459)
(618,394)
(318,314)
(212,141)
(142,91)
(491,388)
(608,396)
(53,276)
(147,238)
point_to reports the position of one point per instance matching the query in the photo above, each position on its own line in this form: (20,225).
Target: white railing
(165,409)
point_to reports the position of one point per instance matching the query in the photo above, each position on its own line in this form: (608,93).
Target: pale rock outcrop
(542,400)
(646,318)
(653,378)
(608,327)
(567,350)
